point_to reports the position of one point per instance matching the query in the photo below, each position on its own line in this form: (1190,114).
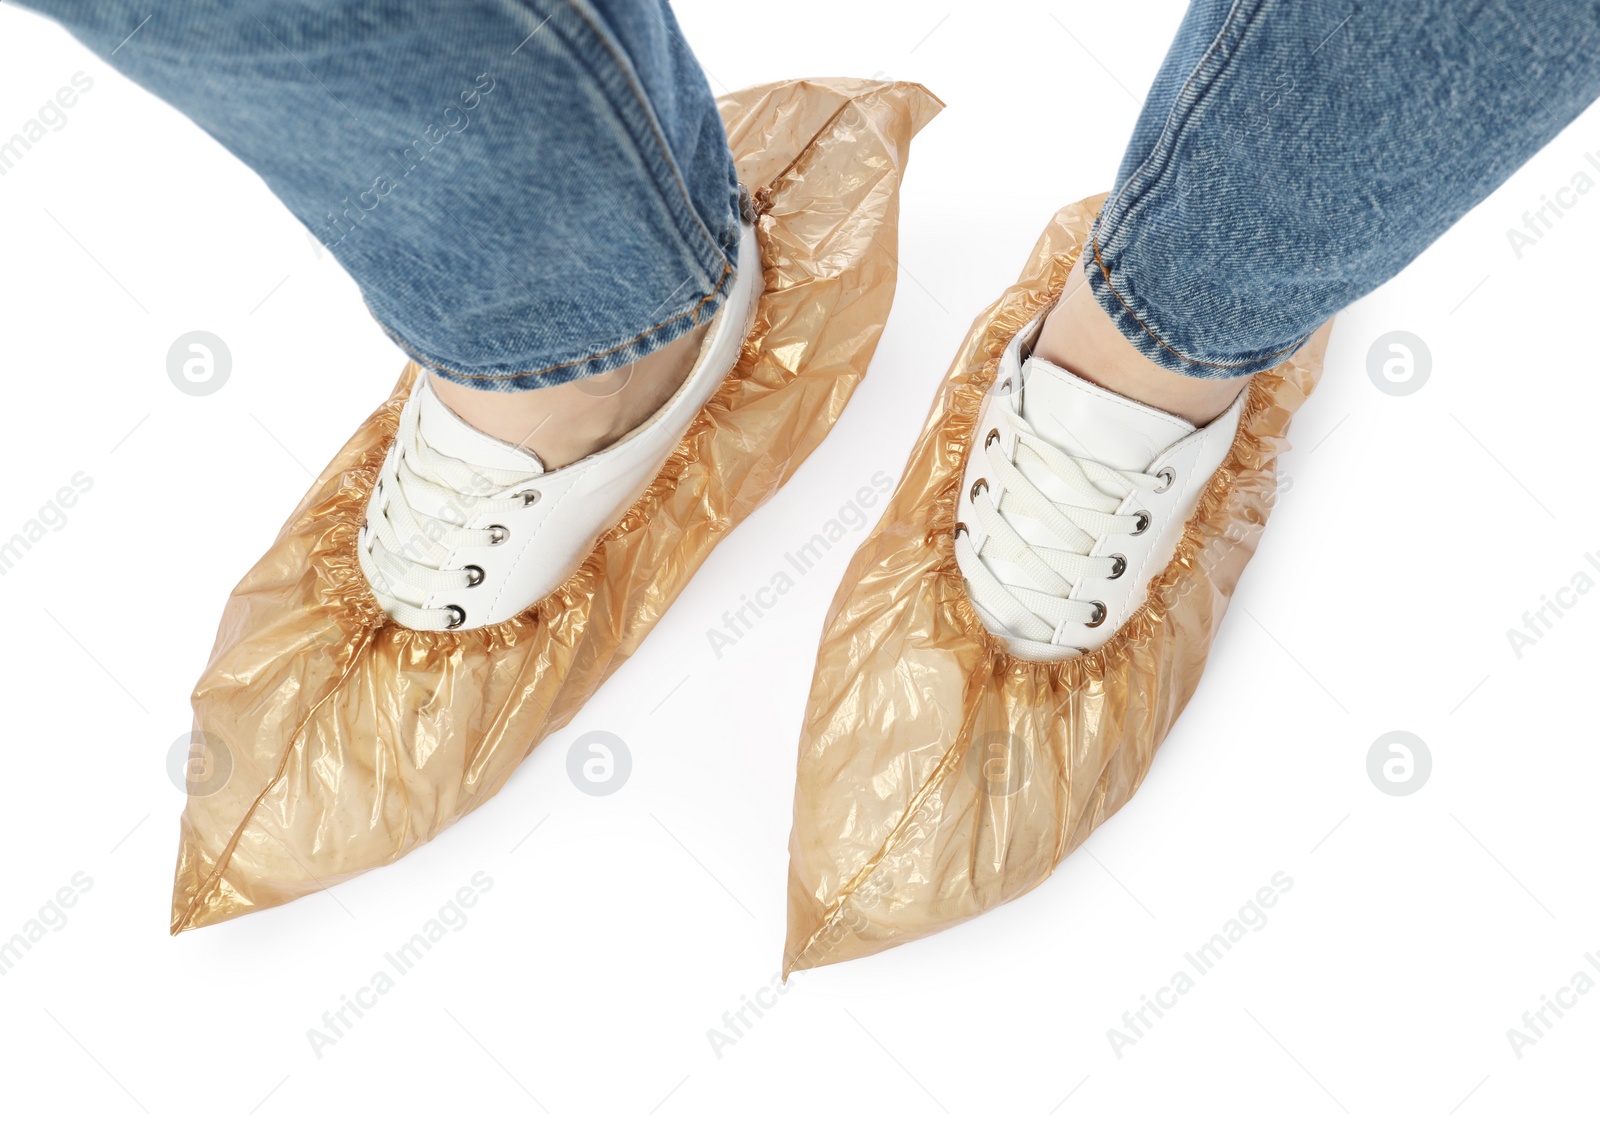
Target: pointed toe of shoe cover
(333,741)
(938,776)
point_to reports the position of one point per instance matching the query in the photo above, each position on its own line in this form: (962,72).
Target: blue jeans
(1294,155)
(526,191)
(532,191)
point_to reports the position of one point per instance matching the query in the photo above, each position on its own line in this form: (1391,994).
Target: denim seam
(637,115)
(1144,181)
(1167,142)
(417,355)
(1127,308)
(634,112)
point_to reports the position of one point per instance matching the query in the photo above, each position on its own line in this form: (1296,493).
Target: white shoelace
(403,546)
(1092,492)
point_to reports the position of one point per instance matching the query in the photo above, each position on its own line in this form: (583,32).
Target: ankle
(571,421)
(1079,336)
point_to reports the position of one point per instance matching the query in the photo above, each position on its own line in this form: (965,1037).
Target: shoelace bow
(1093,491)
(403,547)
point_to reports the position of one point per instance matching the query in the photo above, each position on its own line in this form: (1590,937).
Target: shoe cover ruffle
(337,741)
(940,777)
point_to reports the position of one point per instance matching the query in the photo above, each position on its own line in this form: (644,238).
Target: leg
(538,201)
(1290,158)
(528,192)
(1293,157)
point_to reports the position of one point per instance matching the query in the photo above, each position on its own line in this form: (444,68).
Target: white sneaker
(1074,499)
(464,530)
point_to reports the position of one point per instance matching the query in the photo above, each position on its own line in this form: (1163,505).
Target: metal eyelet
(1144,522)
(1005,386)
(1119,565)
(961,527)
(529,497)
(1168,476)
(1099,615)
(457,615)
(981,484)
(498,534)
(992,438)
(474,576)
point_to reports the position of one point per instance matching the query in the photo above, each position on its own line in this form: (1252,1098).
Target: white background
(1419,529)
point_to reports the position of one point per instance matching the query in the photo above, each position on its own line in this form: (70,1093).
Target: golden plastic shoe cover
(330,741)
(940,777)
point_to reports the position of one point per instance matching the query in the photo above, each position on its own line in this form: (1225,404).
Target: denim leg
(526,191)
(1293,155)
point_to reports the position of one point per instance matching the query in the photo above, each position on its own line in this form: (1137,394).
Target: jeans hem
(1114,292)
(1141,193)
(710,244)
(540,372)
(612,71)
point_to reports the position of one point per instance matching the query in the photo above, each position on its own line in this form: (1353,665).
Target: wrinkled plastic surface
(333,741)
(938,776)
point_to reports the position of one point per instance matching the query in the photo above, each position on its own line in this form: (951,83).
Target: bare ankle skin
(1080,337)
(571,421)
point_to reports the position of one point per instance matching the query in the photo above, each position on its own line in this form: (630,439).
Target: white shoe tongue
(1089,422)
(451,435)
